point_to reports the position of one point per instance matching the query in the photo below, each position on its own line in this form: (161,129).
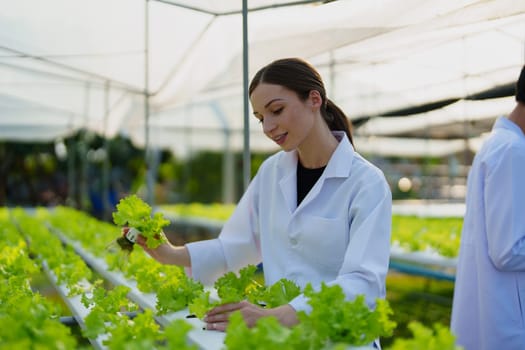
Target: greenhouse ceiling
(71,64)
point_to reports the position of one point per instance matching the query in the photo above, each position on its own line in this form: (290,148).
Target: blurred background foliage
(91,173)
(71,172)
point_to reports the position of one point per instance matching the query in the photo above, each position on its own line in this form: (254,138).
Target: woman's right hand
(166,253)
(162,253)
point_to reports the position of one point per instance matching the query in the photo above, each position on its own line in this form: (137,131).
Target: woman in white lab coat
(315,212)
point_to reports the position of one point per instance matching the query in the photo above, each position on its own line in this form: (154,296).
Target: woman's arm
(167,253)
(504,200)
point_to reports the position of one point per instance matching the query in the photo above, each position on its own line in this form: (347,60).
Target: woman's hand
(166,253)
(163,253)
(218,318)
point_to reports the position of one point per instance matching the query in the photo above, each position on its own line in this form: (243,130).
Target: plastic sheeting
(66,65)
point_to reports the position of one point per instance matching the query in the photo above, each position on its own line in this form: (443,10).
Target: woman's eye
(278,111)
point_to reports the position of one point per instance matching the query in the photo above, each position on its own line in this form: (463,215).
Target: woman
(315,212)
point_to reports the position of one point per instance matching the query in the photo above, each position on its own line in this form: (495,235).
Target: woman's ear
(315,99)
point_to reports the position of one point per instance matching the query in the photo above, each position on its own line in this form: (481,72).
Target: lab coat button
(293,241)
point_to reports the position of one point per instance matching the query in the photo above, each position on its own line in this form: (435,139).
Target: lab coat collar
(505,123)
(340,163)
(338,166)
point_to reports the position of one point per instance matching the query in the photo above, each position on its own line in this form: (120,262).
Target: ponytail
(336,119)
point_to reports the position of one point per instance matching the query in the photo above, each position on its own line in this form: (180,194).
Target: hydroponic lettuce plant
(334,319)
(334,323)
(438,337)
(137,214)
(105,308)
(233,288)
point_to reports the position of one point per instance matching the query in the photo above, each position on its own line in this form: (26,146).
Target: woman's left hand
(217,318)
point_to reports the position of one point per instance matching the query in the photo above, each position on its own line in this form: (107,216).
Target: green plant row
(27,319)
(333,323)
(106,316)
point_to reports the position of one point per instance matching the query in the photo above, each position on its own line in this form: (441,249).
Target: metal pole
(228,180)
(147,146)
(82,201)
(71,173)
(106,190)
(246,152)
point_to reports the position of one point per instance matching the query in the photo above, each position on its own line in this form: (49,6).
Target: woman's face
(285,118)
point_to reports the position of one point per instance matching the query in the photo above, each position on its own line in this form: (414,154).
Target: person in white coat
(489,296)
(316,211)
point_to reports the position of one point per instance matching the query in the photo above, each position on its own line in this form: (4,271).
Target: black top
(306,179)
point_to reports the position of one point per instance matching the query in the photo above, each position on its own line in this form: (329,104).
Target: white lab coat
(340,233)
(489,295)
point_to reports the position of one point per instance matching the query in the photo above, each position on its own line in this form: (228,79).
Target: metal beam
(236,12)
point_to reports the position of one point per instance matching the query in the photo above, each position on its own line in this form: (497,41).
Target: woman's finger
(141,240)
(217,326)
(221,317)
(225,308)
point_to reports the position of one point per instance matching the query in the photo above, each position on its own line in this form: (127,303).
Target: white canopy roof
(68,64)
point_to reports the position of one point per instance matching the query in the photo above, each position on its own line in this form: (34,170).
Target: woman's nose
(268,125)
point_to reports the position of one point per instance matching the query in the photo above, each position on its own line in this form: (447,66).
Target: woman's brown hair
(301,77)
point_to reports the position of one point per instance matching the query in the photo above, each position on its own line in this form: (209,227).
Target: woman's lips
(280,139)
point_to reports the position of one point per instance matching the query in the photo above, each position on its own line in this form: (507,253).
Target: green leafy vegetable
(177,294)
(333,323)
(105,307)
(335,319)
(281,292)
(268,334)
(134,212)
(438,338)
(140,333)
(232,288)
(200,305)
(176,336)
